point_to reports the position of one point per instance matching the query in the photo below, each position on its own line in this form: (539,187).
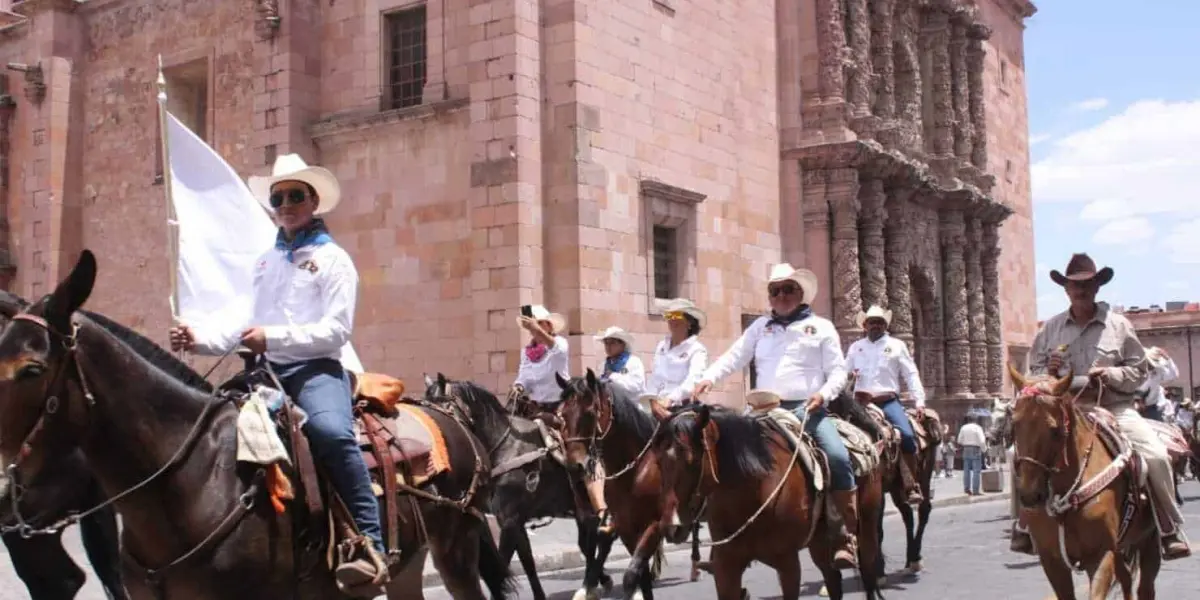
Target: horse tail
(856,414)
(659,561)
(496,575)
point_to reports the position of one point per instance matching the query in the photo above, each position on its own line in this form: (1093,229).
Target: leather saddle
(765,406)
(927,432)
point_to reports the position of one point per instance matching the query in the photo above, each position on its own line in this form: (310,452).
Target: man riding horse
(879,361)
(1092,340)
(305,290)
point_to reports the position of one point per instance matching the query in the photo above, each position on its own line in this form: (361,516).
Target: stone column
(991,307)
(963,135)
(883,64)
(898,250)
(954,292)
(814,207)
(870,225)
(935,37)
(842,191)
(976,333)
(831,40)
(909,96)
(858,80)
(976,35)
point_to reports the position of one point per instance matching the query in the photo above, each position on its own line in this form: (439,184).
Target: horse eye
(30,371)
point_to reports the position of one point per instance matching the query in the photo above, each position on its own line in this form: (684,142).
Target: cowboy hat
(873,313)
(686,307)
(290,167)
(616,333)
(557,321)
(1082,268)
(807,280)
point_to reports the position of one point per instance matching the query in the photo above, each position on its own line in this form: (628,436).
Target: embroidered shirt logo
(887,351)
(309,266)
(810,330)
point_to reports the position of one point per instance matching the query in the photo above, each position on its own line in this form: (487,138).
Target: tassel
(280,487)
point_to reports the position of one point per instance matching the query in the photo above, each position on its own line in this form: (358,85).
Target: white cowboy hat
(290,167)
(873,313)
(616,333)
(686,307)
(807,280)
(540,313)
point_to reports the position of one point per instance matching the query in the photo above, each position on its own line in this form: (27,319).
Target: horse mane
(742,447)
(485,406)
(625,410)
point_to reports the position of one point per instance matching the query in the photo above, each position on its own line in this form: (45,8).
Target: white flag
(222,232)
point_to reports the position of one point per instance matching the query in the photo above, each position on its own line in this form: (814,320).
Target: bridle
(600,431)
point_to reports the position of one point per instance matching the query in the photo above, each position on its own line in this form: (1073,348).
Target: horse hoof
(824,593)
(913,567)
(585,594)
(636,595)
(695,575)
(606,586)
(882,581)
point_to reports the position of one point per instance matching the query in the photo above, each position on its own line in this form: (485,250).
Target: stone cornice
(1019,10)
(358,121)
(666,191)
(29,8)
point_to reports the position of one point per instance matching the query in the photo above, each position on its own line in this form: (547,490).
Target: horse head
(685,449)
(587,414)
(1001,430)
(1042,416)
(44,404)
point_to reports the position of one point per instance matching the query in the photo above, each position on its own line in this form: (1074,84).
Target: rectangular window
(406,57)
(665,263)
(187,100)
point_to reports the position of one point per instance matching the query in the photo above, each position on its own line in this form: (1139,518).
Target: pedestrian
(946,452)
(973,441)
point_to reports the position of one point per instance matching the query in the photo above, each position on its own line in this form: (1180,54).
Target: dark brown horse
(1076,485)
(760,501)
(196,522)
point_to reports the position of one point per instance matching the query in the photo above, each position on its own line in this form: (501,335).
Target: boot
(908,469)
(843,523)
(1174,548)
(369,569)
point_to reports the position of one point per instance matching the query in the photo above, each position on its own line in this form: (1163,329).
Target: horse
(601,426)
(530,480)
(196,522)
(66,487)
(762,501)
(1081,489)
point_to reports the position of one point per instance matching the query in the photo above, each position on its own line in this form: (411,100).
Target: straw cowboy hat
(873,313)
(616,333)
(540,313)
(1082,268)
(290,167)
(807,280)
(686,307)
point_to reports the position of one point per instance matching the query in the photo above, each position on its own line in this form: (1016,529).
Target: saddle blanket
(1171,436)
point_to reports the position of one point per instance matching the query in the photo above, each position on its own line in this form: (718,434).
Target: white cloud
(1038,138)
(1124,231)
(1182,244)
(1090,104)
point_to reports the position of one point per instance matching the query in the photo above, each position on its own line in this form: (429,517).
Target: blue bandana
(803,312)
(615,364)
(315,234)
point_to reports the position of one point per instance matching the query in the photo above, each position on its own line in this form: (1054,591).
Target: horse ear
(562,381)
(441,381)
(73,291)
(1062,385)
(428,381)
(591,379)
(1017,378)
(659,411)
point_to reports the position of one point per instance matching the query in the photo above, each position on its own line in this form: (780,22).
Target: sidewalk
(555,548)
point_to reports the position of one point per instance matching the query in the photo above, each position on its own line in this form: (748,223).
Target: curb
(568,560)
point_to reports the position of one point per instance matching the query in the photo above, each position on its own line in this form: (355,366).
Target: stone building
(597,157)
(1176,330)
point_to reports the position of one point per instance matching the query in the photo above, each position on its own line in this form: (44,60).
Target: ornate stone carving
(963,134)
(831,39)
(976,35)
(842,193)
(35,81)
(907,76)
(268,18)
(874,258)
(858,89)
(813,204)
(977,334)
(935,37)
(898,255)
(882,62)
(954,292)
(991,307)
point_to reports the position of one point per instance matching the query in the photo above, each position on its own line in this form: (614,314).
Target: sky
(1114,126)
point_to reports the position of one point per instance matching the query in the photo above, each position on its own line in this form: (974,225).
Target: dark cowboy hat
(1082,268)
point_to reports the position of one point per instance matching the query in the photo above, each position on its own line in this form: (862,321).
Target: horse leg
(638,579)
(727,574)
(516,539)
(869,546)
(788,570)
(45,567)
(1058,573)
(1149,562)
(408,584)
(1100,576)
(821,552)
(103,548)
(455,555)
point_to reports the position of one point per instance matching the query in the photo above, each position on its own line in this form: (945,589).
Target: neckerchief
(615,364)
(315,234)
(804,311)
(535,351)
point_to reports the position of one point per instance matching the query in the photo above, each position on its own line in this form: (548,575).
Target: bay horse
(762,505)
(600,426)
(196,522)
(528,481)
(1082,491)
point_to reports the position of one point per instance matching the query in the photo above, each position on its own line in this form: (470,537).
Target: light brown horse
(1078,486)
(760,501)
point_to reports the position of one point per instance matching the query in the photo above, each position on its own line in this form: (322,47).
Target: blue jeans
(894,411)
(322,389)
(1154,413)
(972,468)
(825,434)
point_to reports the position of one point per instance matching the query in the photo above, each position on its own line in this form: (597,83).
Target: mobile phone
(527,310)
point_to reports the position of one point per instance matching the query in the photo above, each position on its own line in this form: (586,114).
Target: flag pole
(172,222)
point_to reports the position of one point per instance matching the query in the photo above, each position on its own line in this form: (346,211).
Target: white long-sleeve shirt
(880,366)
(305,307)
(631,380)
(1164,370)
(677,370)
(794,362)
(538,377)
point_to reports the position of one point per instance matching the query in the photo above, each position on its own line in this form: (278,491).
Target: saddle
(927,432)
(1134,469)
(1172,437)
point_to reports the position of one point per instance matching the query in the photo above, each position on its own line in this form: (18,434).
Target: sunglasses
(674,316)
(291,197)
(783,290)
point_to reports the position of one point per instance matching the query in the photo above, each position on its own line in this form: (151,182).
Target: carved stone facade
(896,177)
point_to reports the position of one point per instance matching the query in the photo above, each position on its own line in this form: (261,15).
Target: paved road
(966,550)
